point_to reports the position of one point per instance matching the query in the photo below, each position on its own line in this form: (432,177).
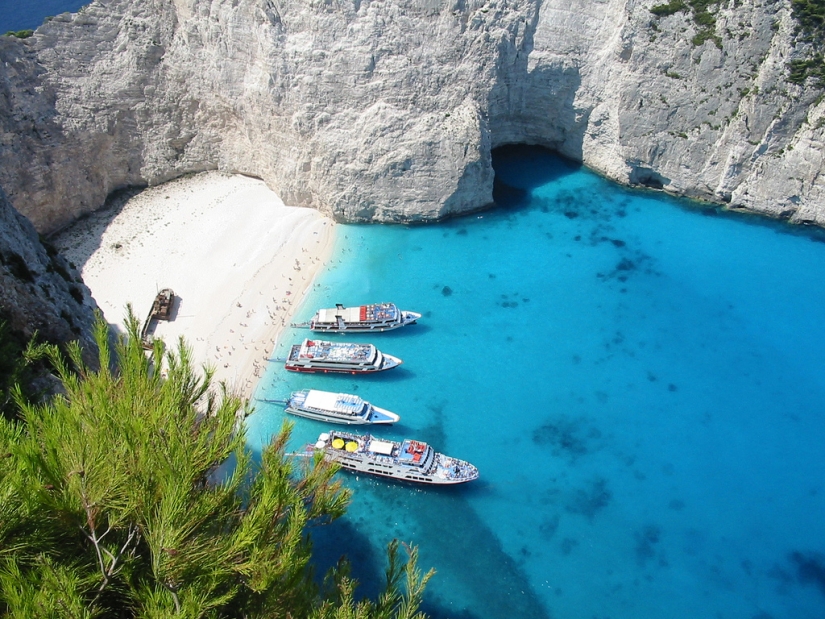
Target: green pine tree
(112,502)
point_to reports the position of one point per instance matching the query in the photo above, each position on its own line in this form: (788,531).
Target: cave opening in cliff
(520,168)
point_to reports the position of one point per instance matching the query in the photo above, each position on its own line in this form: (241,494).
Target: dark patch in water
(671,387)
(567,545)
(462,232)
(491,275)
(676,505)
(578,237)
(810,568)
(496,583)
(651,377)
(646,541)
(618,242)
(343,538)
(576,359)
(525,300)
(571,214)
(566,436)
(436,607)
(507,196)
(446,291)
(548,526)
(590,500)
(625,264)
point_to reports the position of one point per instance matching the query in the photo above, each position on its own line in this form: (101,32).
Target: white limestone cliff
(387,110)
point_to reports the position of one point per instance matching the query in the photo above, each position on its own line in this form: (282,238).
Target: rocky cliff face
(40,290)
(387,110)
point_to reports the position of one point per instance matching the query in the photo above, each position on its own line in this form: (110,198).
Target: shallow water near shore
(639,383)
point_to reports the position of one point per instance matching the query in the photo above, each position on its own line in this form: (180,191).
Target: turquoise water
(29,14)
(640,384)
(639,381)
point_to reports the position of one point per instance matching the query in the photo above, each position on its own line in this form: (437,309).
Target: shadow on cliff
(533,101)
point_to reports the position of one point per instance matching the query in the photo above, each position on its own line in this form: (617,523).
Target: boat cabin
(341,403)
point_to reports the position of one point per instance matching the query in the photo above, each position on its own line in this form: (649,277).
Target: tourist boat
(361,319)
(407,460)
(320,356)
(337,408)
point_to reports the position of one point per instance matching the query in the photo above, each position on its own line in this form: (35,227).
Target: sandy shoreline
(239,261)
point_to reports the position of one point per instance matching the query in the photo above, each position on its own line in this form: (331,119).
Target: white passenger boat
(360,319)
(337,408)
(351,358)
(407,460)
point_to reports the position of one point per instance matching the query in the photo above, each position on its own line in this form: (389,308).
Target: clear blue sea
(29,14)
(639,380)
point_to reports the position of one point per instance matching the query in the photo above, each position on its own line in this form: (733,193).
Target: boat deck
(328,351)
(378,312)
(341,403)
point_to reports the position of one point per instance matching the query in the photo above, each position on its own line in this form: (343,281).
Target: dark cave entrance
(520,168)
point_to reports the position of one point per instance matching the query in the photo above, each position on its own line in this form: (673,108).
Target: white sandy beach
(238,260)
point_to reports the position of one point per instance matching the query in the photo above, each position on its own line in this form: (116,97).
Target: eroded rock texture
(40,290)
(386,110)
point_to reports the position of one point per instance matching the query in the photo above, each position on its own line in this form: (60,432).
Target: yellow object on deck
(338,443)
(352,446)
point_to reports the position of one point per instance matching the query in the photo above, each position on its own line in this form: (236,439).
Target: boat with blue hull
(360,319)
(406,460)
(336,408)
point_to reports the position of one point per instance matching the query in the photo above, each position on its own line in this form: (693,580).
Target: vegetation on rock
(703,17)
(112,503)
(20,34)
(810,19)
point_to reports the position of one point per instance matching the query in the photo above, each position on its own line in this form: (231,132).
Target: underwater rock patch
(646,541)
(810,568)
(566,436)
(590,500)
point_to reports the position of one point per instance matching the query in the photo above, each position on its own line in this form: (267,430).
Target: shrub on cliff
(20,34)
(110,504)
(704,17)
(810,28)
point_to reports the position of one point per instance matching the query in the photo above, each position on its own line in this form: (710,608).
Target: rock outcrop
(40,290)
(387,110)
